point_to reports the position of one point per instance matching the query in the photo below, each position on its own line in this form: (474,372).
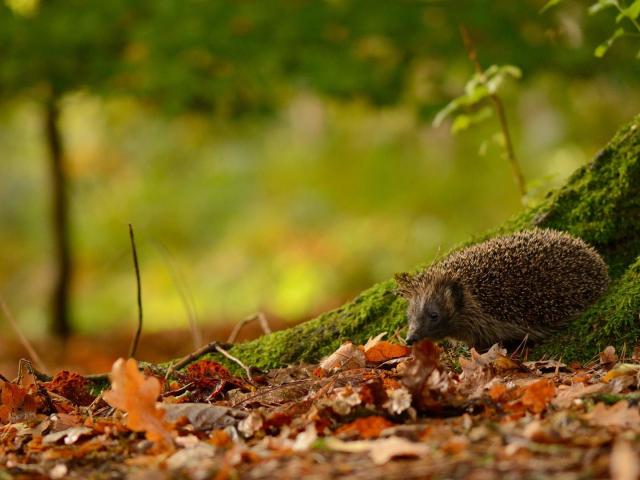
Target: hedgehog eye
(434,315)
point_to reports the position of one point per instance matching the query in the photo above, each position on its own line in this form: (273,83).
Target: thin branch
(255,316)
(134,344)
(269,390)
(497,103)
(211,347)
(180,282)
(4,379)
(23,339)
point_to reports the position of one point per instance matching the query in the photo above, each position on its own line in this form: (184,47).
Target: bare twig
(558,363)
(267,391)
(23,339)
(134,344)
(211,347)
(497,103)
(397,335)
(262,320)
(4,379)
(180,282)
(522,346)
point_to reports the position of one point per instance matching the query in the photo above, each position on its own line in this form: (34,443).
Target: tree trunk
(600,203)
(60,325)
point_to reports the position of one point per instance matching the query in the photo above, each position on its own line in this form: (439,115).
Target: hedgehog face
(433,314)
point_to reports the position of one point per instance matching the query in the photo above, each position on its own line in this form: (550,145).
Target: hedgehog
(527,285)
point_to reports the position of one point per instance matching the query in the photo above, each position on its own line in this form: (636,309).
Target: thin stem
(134,344)
(25,343)
(621,10)
(502,118)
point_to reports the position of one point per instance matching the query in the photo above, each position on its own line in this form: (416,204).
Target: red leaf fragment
(207,369)
(71,386)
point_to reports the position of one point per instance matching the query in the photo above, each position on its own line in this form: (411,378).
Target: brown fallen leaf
(384,351)
(71,386)
(17,403)
(624,463)
(366,427)
(608,358)
(618,415)
(538,395)
(381,451)
(347,357)
(620,370)
(136,394)
(565,397)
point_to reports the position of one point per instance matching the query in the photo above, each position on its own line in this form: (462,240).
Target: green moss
(613,320)
(373,311)
(599,203)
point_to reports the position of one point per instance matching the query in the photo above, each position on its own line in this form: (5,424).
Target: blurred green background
(276,155)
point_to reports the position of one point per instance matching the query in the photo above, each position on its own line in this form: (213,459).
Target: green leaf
(603,47)
(482,149)
(513,71)
(494,83)
(638,55)
(477,93)
(492,70)
(549,4)
(601,5)
(632,12)
(462,122)
(451,107)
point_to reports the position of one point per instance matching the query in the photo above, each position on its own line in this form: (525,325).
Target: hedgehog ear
(454,290)
(403,282)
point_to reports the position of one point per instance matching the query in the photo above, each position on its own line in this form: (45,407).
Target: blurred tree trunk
(60,325)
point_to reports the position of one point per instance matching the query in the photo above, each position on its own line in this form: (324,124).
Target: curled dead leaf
(347,357)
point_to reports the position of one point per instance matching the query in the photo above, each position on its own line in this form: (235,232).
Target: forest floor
(374,411)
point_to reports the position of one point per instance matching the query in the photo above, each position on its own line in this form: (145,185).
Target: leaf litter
(379,410)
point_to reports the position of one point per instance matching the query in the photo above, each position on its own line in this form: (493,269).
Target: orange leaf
(384,351)
(366,427)
(16,403)
(538,395)
(497,391)
(319,372)
(136,394)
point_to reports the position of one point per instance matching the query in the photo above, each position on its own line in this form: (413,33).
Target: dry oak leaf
(382,450)
(618,415)
(17,403)
(347,357)
(537,396)
(136,394)
(384,351)
(624,463)
(366,427)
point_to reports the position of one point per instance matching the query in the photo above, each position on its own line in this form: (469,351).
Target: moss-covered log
(600,203)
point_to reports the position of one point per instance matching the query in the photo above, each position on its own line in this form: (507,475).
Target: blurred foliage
(280,150)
